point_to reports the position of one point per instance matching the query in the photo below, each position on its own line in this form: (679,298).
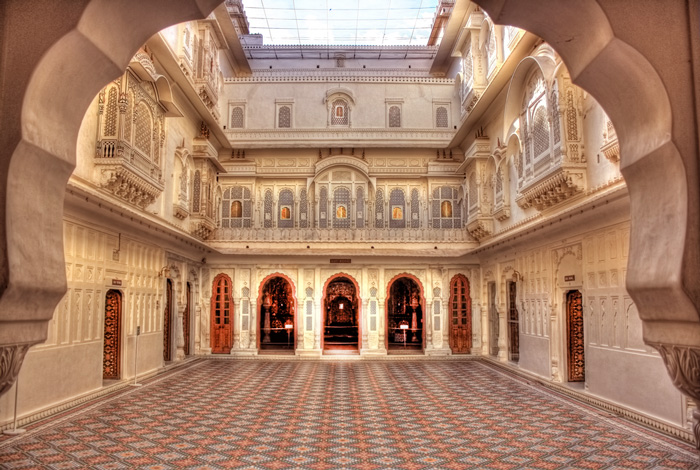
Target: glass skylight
(342,22)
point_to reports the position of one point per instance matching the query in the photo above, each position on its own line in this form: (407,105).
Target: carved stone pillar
(683,365)
(180,332)
(11,358)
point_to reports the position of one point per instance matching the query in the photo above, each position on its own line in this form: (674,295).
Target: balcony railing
(402,235)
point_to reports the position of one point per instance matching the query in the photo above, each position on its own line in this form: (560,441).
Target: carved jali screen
(574,330)
(112,334)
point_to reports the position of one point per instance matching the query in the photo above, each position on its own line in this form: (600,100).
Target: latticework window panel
(267,209)
(144,129)
(303,209)
(394,116)
(540,132)
(237,118)
(360,208)
(196,191)
(323,208)
(379,209)
(110,127)
(284,119)
(441,117)
(415,209)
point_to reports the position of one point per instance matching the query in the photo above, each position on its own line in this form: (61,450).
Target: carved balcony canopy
(558,185)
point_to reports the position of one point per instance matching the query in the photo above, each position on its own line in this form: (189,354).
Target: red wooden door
(221,315)
(574,332)
(186,321)
(460,316)
(167,355)
(513,323)
(112,335)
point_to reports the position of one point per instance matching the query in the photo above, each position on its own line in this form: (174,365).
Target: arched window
(237,118)
(441,117)
(340,115)
(236,209)
(285,209)
(285,117)
(394,116)
(397,207)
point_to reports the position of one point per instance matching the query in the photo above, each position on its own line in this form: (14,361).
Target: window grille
(303,209)
(441,116)
(197,188)
(237,118)
(540,132)
(285,117)
(360,208)
(394,116)
(379,209)
(267,222)
(323,208)
(340,114)
(144,130)
(110,129)
(341,208)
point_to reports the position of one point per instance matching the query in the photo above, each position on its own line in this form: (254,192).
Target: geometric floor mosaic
(267,414)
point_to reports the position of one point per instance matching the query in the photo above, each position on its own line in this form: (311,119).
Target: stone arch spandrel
(49,81)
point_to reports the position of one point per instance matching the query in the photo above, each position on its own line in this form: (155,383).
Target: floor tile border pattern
(619,421)
(437,377)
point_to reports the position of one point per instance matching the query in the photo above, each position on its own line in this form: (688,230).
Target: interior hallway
(284,414)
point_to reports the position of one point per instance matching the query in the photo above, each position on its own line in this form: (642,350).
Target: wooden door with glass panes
(221,315)
(460,316)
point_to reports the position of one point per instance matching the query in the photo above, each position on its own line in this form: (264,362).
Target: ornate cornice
(553,188)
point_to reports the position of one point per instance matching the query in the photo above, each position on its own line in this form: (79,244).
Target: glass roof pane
(341,22)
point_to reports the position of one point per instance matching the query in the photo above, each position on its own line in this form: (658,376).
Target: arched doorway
(167,321)
(277,321)
(111,355)
(341,322)
(460,315)
(186,320)
(575,354)
(221,315)
(404,315)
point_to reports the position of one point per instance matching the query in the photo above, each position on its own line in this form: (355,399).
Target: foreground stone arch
(646,90)
(49,80)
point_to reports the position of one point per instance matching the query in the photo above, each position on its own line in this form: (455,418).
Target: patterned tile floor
(268,414)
